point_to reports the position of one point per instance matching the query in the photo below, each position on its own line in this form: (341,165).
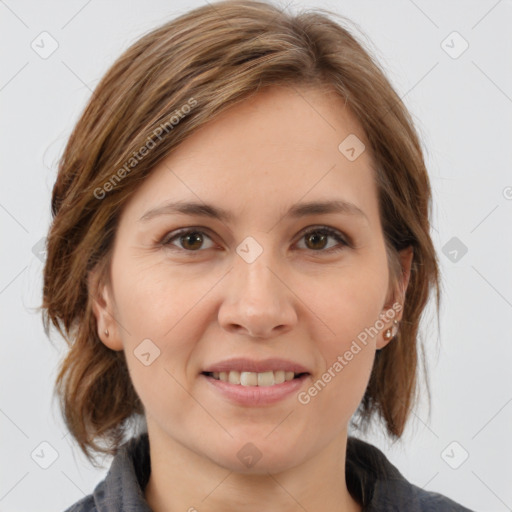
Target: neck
(182,480)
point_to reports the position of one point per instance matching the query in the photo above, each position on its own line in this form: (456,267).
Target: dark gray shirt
(371,479)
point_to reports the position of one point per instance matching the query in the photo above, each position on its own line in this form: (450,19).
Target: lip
(255,395)
(251,365)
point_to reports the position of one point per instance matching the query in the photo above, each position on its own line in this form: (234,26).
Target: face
(270,288)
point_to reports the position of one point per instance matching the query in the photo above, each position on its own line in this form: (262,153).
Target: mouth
(256,379)
(250,382)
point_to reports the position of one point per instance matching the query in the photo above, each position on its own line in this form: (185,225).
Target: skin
(297,300)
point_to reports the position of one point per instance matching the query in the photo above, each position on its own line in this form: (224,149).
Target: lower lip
(256,395)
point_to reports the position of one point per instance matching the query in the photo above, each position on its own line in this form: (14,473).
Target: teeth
(234,377)
(266,379)
(253,378)
(248,378)
(279,376)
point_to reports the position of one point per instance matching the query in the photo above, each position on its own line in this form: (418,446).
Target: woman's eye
(193,240)
(190,240)
(317,240)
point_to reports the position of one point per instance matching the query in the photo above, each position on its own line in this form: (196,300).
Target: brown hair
(213,57)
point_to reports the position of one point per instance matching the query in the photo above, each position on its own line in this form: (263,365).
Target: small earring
(106,332)
(391,333)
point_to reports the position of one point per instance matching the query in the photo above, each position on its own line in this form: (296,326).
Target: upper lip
(251,365)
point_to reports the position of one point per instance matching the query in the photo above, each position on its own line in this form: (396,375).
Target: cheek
(350,307)
(349,310)
(160,336)
(154,299)
(347,355)
(158,328)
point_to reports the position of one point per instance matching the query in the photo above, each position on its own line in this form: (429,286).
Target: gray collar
(371,479)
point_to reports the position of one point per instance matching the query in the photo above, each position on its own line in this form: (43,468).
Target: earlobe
(101,303)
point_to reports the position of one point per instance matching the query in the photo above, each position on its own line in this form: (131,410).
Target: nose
(257,302)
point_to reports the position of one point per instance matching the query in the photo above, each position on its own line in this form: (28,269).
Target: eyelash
(167,240)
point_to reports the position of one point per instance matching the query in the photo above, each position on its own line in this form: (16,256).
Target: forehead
(266,153)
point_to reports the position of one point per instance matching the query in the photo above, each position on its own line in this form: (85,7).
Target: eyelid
(173,235)
(342,239)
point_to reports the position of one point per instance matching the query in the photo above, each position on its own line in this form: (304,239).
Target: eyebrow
(296,211)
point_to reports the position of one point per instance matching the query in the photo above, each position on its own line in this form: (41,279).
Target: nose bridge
(258,301)
(252,269)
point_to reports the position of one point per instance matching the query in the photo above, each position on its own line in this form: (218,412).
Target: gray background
(462,106)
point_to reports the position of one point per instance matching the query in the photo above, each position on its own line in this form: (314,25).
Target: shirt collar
(371,479)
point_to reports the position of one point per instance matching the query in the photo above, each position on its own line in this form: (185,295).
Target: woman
(239,257)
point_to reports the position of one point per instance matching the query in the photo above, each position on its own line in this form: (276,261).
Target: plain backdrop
(450,61)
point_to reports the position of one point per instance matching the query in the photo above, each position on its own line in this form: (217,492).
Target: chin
(261,466)
(258,456)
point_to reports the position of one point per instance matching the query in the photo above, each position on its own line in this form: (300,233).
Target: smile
(246,378)
(255,389)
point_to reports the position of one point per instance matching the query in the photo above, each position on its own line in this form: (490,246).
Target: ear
(102,302)
(398,295)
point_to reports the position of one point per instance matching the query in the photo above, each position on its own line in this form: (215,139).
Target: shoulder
(376,483)
(86,504)
(402,495)
(434,502)
(122,488)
